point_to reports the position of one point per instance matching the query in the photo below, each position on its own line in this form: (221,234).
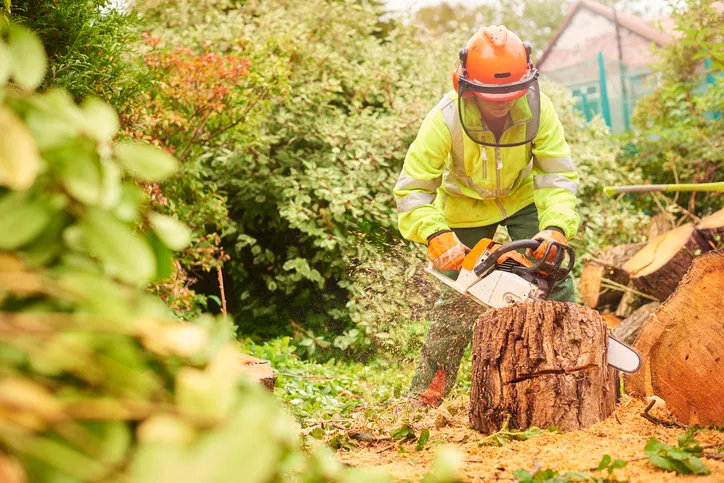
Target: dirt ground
(622,436)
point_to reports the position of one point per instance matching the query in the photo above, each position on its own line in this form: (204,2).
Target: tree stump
(541,363)
(657,269)
(712,229)
(682,347)
(259,370)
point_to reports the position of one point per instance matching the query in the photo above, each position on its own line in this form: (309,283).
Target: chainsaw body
(496,276)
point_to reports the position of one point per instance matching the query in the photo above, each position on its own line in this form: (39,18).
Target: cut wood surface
(657,269)
(629,328)
(541,363)
(259,370)
(682,347)
(596,291)
(712,229)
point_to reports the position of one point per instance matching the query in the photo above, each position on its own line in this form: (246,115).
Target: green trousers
(452,318)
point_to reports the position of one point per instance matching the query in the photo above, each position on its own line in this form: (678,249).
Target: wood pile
(628,282)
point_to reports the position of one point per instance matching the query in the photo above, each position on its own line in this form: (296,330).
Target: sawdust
(622,436)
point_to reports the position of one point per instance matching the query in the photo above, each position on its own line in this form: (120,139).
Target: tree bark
(629,329)
(657,269)
(712,229)
(682,347)
(541,363)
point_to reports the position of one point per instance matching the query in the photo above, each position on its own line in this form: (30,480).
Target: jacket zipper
(484,161)
(498,167)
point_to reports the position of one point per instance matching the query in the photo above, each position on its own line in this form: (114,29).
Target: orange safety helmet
(494,65)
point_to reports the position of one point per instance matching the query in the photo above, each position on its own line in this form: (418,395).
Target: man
(492,152)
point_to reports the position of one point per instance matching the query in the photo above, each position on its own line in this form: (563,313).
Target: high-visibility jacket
(449,181)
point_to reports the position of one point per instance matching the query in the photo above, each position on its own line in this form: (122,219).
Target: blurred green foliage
(679,135)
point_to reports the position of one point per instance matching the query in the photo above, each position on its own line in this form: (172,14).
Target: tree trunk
(629,329)
(712,229)
(541,363)
(258,370)
(682,347)
(657,269)
(594,290)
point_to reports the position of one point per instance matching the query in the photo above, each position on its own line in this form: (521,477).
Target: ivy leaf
(404,432)
(28,58)
(145,161)
(423,439)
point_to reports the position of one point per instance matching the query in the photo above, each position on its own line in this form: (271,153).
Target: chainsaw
(496,276)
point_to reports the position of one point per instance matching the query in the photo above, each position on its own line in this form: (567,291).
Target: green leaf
(523,475)
(317,433)
(79,169)
(618,464)
(28,58)
(164,262)
(172,232)
(19,157)
(123,254)
(604,462)
(145,161)
(22,219)
(403,432)
(423,439)
(101,119)
(5,64)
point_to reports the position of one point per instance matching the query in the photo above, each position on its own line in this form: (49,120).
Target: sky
(655,6)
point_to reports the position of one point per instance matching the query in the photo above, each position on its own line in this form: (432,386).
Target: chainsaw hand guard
(555,270)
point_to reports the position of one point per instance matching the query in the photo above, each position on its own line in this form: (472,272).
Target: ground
(622,436)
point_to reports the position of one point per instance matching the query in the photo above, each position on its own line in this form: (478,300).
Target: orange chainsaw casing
(472,258)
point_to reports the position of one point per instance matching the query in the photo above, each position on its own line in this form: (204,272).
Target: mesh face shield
(471,118)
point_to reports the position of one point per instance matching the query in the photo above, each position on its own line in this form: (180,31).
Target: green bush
(87,44)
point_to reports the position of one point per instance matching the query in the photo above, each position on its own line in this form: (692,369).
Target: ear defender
(463,54)
(528,52)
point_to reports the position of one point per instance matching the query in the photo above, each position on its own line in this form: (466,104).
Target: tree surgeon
(492,152)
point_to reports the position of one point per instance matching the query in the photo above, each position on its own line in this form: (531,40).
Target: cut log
(682,347)
(259,370)
(627,304)
(541,364)
(629,329)
(712,229)
(595,291)
(657,269)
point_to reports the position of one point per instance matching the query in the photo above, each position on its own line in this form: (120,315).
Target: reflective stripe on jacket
(449,181)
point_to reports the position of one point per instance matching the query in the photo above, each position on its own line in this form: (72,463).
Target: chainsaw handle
(555,270)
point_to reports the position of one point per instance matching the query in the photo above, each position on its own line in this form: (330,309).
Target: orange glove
(547,236)
(445,251)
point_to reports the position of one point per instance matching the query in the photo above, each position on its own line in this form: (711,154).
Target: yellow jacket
(449,181)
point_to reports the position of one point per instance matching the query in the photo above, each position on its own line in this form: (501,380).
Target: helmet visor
(471,118)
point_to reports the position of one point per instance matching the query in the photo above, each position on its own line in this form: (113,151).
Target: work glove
(445,251)
(546,237)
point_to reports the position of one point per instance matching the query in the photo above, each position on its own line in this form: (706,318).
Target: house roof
(636,25)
